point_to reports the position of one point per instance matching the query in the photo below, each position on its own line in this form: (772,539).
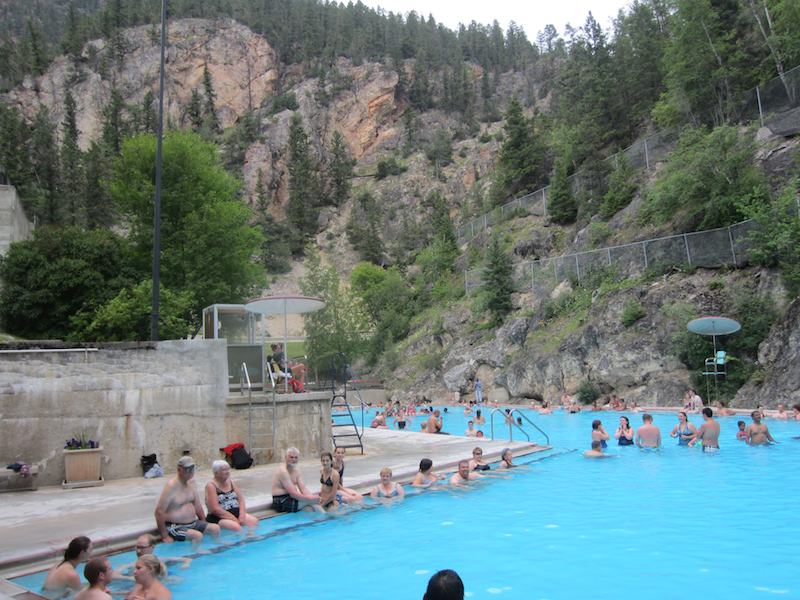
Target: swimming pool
(661,524)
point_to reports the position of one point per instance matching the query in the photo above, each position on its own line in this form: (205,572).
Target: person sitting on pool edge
(98,573)
(648,435)
(179,512)
(444,585)
(464,474)
(347,494)
(225,501)
(387,488)
(328,483)
(289,493)
(64,576)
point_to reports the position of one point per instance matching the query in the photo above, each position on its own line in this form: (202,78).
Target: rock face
(243,68)
(779,357)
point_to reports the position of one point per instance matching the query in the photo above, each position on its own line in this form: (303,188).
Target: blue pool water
(667,524)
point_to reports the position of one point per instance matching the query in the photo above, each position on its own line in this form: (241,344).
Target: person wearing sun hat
(179,512)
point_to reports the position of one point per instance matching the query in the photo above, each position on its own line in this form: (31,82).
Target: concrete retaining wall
(166,397)
(14,225)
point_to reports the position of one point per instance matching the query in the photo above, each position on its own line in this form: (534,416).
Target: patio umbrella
(713,326)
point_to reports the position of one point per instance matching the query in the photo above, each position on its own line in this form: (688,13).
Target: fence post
(608,252)
(646,156)
(733,250)
(544,202)
(644,250)
(532,281)
(472,228)
(578,268)
(688,254)
(760,111)
(485,223)
(555,270)
(466,282)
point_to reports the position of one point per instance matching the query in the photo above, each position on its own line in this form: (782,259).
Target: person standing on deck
(478,391)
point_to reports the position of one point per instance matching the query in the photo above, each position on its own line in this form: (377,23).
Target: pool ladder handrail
(515,424)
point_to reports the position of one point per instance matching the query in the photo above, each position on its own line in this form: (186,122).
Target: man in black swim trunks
(289,493)
(179,512)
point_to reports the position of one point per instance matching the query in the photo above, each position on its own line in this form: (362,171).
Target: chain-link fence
(775,104)
(725,246)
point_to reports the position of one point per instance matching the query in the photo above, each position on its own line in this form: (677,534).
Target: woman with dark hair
(684,430)
(624,432)
(477,463)
(64,575)
(425,477)
(347,494)
(479,418)
(328,482)
(598,433)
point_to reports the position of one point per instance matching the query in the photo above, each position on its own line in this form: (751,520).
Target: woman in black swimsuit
(345,493)
(477,463)
(225,500)
(624,432)
(328,482)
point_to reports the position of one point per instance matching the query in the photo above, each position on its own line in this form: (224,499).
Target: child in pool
(742,433)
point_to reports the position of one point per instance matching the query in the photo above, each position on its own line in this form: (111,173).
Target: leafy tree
(126,316)
(776,240)
(560,201)
(709,177)
(340,170)
(206,239)
(343,326)
(303,209)
(57,274)
(72,175)
(497,284)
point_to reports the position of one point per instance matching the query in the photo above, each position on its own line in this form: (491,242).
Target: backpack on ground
(241,459)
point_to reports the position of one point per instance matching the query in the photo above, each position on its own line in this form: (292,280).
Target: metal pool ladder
(515,424)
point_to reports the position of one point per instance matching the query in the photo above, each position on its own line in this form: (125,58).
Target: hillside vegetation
(329,134)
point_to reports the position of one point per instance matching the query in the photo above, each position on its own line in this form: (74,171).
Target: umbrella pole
(285,348)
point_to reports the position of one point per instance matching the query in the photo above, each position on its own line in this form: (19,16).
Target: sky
(531,15)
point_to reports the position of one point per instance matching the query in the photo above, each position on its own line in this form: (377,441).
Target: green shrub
(632,312)
(287,101)
(389,166)
(431,361)
(598,233)
(587,392)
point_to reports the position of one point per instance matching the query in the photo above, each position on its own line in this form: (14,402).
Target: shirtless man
(179,512)
(463,475)
(435,422)
(596,451)
(470,432)
(648,435)
(289,493)
(708,432)
(781,412)
(757,433)
(98,573)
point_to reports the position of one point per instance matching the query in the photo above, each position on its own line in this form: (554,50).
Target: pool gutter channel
(25,564)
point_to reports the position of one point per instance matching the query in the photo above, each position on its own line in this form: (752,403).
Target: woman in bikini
(477,463)
(684,430)
(624,432)
(347,494)
(64,576)
(425,477)
(225,500)
(328,482)
(387,488)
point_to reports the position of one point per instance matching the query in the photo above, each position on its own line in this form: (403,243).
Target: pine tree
(521,164)
(364,227)
(340,170)
(114,126)
(72,174)
(497,283)
(99,204)
(148,118)
(194,110)
(44,162)
(36,53)
(72,43)
(275,252)
(302,210)
(210,119)
(560,201)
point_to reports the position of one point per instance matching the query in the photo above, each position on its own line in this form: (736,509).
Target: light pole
(157,201)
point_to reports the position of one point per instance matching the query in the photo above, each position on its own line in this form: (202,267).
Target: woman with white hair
(225,500)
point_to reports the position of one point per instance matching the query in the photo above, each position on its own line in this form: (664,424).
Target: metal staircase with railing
(345,432)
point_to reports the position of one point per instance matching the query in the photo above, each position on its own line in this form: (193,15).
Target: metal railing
(771,104)
(511,422)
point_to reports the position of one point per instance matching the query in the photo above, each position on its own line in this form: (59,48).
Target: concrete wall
(164,397)
(14,225)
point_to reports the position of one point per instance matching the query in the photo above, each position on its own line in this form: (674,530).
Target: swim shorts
(285,503)
(711,449)
(177,531)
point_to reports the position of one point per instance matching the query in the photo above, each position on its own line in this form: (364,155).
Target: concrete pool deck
(36,526)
